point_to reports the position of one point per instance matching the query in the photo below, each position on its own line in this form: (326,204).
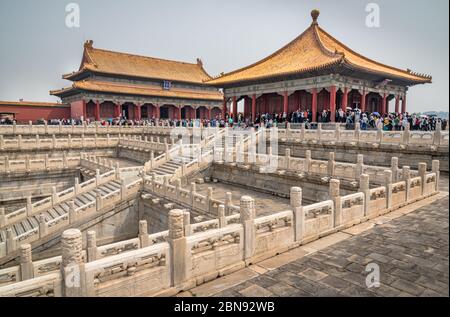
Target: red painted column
(84,110)
(97,110)
(333,103)
(193,113)
(209,113)
(363,101)
(253,107)
(158,112)
(235,112)
(404,104)
(345,99)
(285,102)
(224,108)
(397,104)
(314,105)
(137,112)
(117,110)
(179,113)
(383,104)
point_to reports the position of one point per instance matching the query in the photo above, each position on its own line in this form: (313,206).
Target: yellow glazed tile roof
(143,90)
(109,62)
(314,49)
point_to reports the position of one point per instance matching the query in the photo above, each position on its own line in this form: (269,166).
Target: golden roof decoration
(314,49)
(118,63)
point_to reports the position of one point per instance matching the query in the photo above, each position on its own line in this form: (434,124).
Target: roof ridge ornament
(89,44)
(315,15)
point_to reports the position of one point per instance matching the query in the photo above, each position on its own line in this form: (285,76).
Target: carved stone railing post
(247,211)
(29,207)
(335,196)
(302,131)
(72,214)
(2,142)
(72,266)
(228,202)
(388,184)
(97,177)
(337,132)
(69,141)
(187,223)
(117,171)
(177,242)
(221,216)
(76,186)
(123,189)
(422,174)
(288,158)
(331,163)
(2,217)
(98,201)
(144,240)
(406,176)
(26,263)
(19,142)
(359,167)
(435,168)
(299,215)
(55,199)
(37,141)
(307,166)
(43,226)
(365,189)
(437,134)
(53,141)
(10,241)
(406,135)
(209,197)
(319,131)
(394,168)
(357,131)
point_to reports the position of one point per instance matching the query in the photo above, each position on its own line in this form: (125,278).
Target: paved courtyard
(409,246)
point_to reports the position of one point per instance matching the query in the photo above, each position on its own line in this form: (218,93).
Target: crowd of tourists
(367,120)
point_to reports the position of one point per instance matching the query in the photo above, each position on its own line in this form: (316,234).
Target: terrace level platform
(410,246)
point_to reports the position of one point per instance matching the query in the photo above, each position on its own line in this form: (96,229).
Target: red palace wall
(76,109)
(23,114)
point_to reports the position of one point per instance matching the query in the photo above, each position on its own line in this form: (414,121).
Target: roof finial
(315,15)
(88,43)
(199,62)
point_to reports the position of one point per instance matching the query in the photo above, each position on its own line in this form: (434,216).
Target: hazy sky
(37,47)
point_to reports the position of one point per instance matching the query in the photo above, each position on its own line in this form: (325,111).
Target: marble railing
(29,165)
(189,254)
(331,168)
(21,144)
(35,208)
(74,215)
(406,137)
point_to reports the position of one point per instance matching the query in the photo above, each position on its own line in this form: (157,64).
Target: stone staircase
(31,223)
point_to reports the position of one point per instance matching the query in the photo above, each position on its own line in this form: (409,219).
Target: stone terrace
(410,246)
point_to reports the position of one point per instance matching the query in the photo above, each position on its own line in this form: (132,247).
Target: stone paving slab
(411,250)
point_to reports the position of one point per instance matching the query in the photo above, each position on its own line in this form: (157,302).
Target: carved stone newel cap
(315,15)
